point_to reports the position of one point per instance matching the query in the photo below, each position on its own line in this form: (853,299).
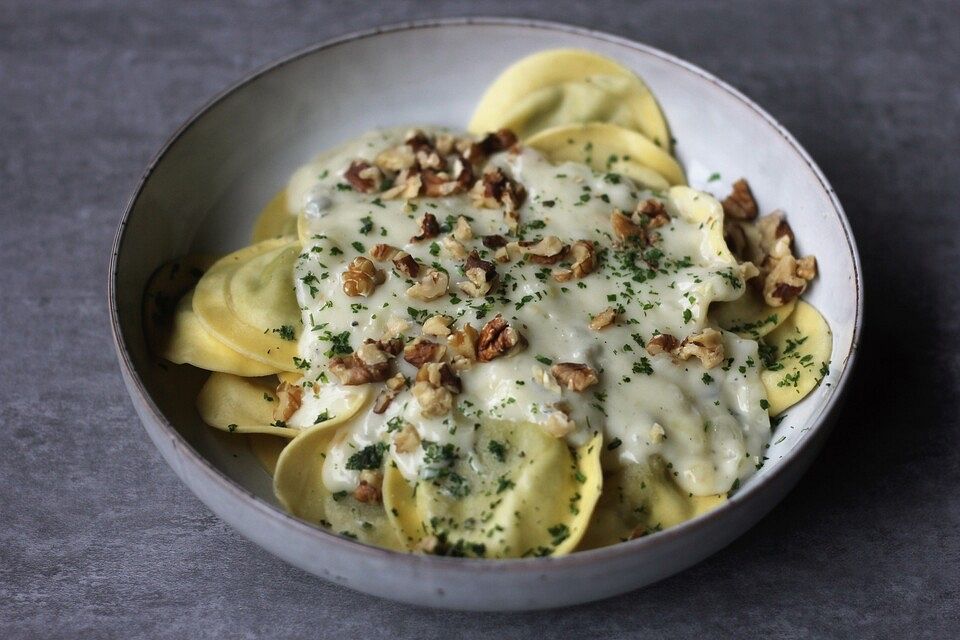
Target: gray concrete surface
(99,539)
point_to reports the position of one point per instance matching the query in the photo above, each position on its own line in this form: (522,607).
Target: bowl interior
(206,188)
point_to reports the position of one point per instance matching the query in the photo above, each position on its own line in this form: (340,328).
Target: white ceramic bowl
(205,186)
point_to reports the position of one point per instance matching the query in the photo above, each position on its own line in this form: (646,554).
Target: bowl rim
(818,423)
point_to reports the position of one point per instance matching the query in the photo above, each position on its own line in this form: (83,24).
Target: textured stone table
(99,539)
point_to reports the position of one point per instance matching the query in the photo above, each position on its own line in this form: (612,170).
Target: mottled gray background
(99,539)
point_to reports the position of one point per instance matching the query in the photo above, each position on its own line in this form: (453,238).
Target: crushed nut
(707,346)
(434,389)
(454,248)
(429,228)
(657,433)
(407,440)
(394,386)
(370,488)
(498,338)
(396,325)
(351,370)
(430,287)
(289,397)
(361,277)
(624,228)
(364,177)
(558,423)
(740,204)
(481,276)
(382,252)
(575,376)
(370,353)
(463,343)
(438,325)
(439,374)
(396,158)
(422,351)
(496,189)
(584,262)
(494,241)
(407,185)
(548,250)
(662,343)
(404,263)
(603,319)
(545,380)
(787,279)
(462,231)
(651,213)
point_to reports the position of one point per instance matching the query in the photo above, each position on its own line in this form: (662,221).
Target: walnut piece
(575,376)
(422,351)
(603,319)
(406,264)
(558,423)
(429,228)
(496,189)
(462,231)
(352,370)
(430,287)
(481,276)
(498,338)
(651,214)
(382,252)
(434,389)
(542,377)
(364,177)
(394,386)
(396,158)
(707,346)
(740,204)
(361,277)
(407,440)
(370,488)
(406,185)
(289,397)
(463,344)
(547,250)
(584,262)
(438,325)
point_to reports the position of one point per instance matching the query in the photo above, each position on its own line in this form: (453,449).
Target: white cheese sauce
(709,426)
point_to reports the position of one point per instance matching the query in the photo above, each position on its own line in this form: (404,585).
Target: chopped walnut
(657,433)
(438,325)
(740,204)
(494,241)
(407,439)
(382,252)
(351,370)
(361,277)
(370,353)
(545,380)
(481,276)
(707,346)
(787,279)
(429,228)
(558,423)
(434,389)
(662,343)
(396,158)
(394,386)
(462,231)
(364,177)
(547,250)
(454,247)
(289,397)
(404,263)
(584,262)
(463,344)
(396,325)
(575,376)
(603,319)
(407,185)
(430,287)
(496,189)
(370,488)
(651,213)
(624,228)
(498,338)
(393,346)
(422,351)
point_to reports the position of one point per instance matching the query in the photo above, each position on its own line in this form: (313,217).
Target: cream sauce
(709,427)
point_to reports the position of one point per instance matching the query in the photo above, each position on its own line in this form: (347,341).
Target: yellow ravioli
(298,484)
(528,494)
(247,300)
(564,86)
(749,316)
(607,147)
(802,344)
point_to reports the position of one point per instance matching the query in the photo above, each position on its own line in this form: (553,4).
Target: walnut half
(361,277)
(498,338)
(575,376)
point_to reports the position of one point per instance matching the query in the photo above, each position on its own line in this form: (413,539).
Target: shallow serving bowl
(204,188)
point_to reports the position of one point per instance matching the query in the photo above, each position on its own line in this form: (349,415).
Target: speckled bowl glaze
(204,188)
